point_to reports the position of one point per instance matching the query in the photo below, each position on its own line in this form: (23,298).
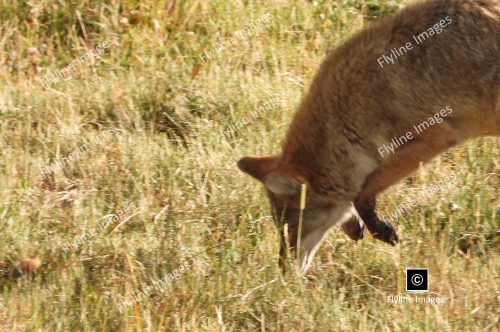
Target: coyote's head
(283,186)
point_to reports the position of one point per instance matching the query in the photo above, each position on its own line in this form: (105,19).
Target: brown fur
(354,106)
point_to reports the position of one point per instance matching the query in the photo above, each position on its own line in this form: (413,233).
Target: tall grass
(190,202)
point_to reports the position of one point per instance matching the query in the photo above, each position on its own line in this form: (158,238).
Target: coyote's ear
(282,184)
(257,167)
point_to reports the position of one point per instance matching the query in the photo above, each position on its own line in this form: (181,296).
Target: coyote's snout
(364,126)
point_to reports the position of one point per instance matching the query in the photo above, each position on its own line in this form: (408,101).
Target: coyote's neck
(324,145)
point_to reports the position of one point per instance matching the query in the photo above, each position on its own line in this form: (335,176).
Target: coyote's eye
(280,211)
(276,208)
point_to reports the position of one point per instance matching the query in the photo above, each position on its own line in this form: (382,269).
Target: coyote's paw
(354,228)
(387,233)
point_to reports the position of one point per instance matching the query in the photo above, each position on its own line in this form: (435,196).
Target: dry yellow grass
(189,204)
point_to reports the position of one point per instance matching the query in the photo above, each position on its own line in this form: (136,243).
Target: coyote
(436,59)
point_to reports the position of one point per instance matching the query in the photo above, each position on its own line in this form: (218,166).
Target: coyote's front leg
(379,228)
(354,228)
(396,167)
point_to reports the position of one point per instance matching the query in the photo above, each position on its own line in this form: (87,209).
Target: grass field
(148,225)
